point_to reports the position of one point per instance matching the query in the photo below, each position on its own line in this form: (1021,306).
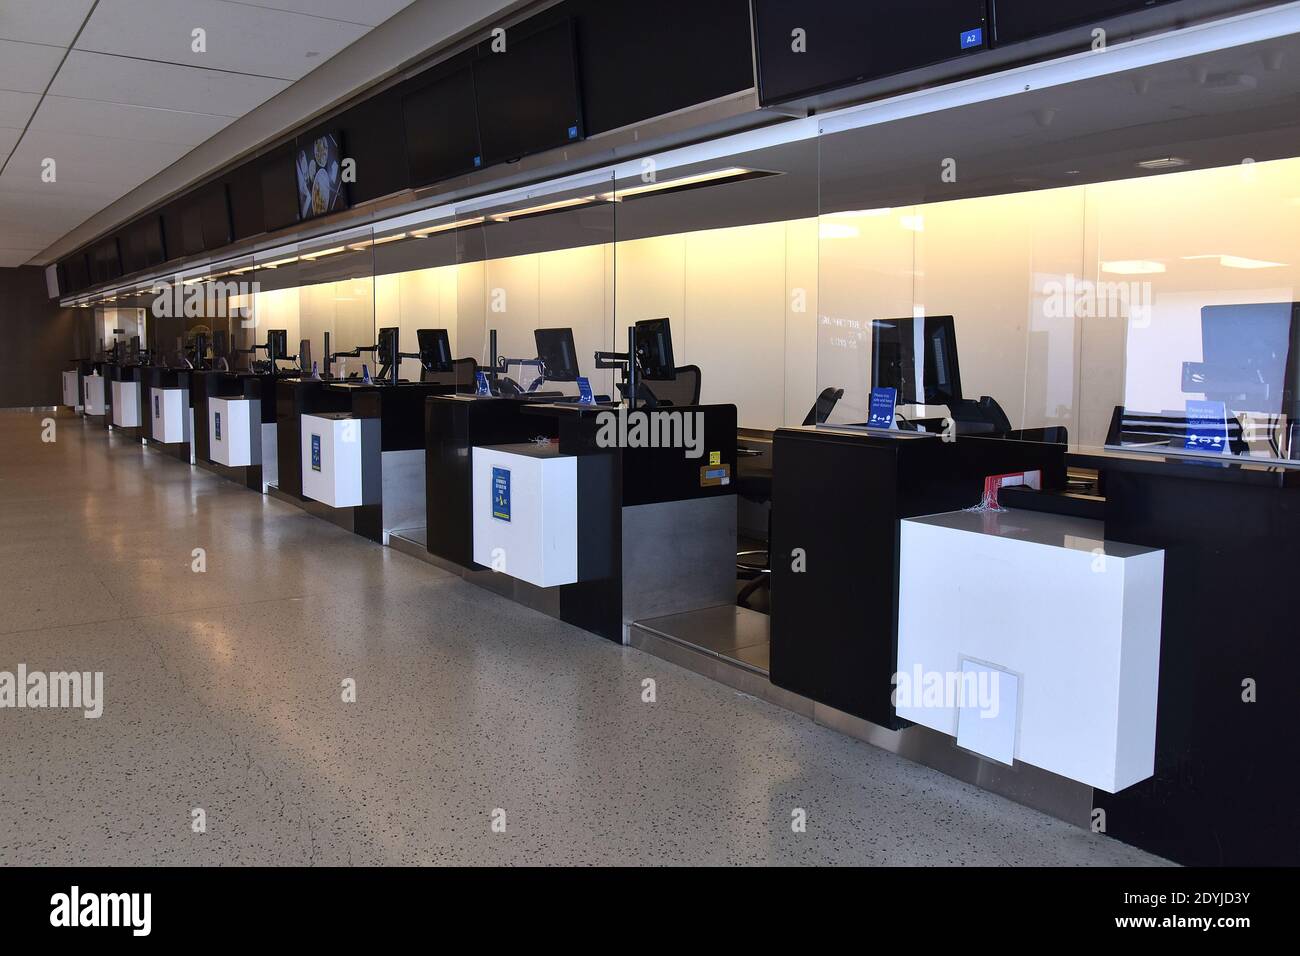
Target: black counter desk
(162,377)
(1226,770)
(391,418)
(837,497)
(637,507)
(259,389)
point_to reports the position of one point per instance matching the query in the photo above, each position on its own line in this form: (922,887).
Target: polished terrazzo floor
(223,693)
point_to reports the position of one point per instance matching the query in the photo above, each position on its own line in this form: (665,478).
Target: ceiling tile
(8,140)
(43,21)
(239,38)
(16,108)
(121,121)
(372,12)
(27,67)
(115,79)
(92,159)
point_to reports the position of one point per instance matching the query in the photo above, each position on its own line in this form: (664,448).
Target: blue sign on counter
(315,452)
(484,389)
(155,406)
(1207,426)
(501,493)
(972,38)
(883,403)
(585,395)
(217,424)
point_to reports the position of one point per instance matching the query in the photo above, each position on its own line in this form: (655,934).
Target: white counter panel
(126,404)
(93,394)
(532,534)
(72,389)
(331,460)
(229,432)
(169,410)
(1075,618)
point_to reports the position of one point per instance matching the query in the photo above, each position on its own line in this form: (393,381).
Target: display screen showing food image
(320,177)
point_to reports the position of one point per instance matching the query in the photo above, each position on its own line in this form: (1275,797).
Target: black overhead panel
(637,62)
(810,46)
(527,96)
(78,272)
(191,226)
(244,189)
(172,231)
(372,136)
(440,120)
(1016,20)
(279,189)
(215,208)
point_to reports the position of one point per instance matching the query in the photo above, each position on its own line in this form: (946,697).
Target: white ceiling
(113,92)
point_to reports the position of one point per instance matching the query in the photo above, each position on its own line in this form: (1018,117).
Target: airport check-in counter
(73,391)
(166,412)
(94,392)
(526,499)
(1130,629)
(356,452)
(124,399)
(235,426)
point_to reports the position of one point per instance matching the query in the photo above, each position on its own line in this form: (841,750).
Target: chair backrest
(683,390)
(462,374)
(824,405)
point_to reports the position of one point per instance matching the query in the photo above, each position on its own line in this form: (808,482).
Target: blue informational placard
(217,424)
(972,38)
(883,402)
(155,406)
(501,493)
(585,395)
(483,388)
(1207,426)
(315,452)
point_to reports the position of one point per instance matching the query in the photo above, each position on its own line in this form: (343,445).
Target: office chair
(683,390)
(756,486)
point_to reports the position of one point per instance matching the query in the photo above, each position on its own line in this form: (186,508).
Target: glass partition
(1193,342)
(940,287)
(539,260)
(725,249)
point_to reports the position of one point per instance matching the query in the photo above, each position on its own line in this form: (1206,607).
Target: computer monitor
(1251,357)
(559,357)
(134,354)
(277,344)
(654,350)
(386,342)
(304,354)
(435,350)
(917,358)
(219,349)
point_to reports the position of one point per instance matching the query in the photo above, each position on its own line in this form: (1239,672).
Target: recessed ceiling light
(1240,262)
(446,227)
(1164,162)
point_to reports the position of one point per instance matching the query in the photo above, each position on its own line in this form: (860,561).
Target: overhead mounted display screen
(319,169)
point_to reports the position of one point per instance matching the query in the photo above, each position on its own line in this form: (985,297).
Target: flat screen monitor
(219,344)
(1251,355)
(277,344)
(654,350)
(319,171)
(386,341)
(1017,20)
(304,354)
(527,96)
(435,350)
(558,354)
(840,43)
(917,358)
(279,200)
(441,125)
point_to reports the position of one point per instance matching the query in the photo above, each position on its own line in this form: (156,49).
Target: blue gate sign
(315,452)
